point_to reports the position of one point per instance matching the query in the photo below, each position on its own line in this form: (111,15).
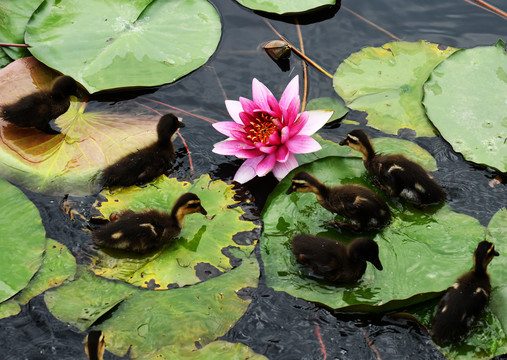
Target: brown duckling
(396,174)
(40,107)
(148,163)
(465,299)
(334,261)
(142,232)
(360,205)
(95,345)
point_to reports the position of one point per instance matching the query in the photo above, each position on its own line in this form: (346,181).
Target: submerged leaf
(22,241)
(285,7)
(70,161)
(465,100)
(200,251)
(422,252)
(387,81)
(124,43)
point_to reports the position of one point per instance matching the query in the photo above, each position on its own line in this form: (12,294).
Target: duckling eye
(194,205)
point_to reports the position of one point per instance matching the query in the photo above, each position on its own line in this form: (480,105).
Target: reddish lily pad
(203,244)
(70,161)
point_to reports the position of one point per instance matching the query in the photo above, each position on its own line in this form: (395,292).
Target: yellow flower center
(261,128)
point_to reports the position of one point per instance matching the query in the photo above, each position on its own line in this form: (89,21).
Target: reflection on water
(276,324)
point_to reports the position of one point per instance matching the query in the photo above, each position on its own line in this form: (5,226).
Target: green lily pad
(328,103)
(85,299)
(387,81)
(422,252)
(202,244)
(124,43)
(4,59)
(217,350)
(188,317)
(285,7)
(23,240)
(498,267)
(382,145)
(13,18)
(67,162)
(465,100)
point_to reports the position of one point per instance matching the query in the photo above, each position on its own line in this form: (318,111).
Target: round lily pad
(124,43)
(200,251)
(23,240)
(66,162)
(328,103)
(387,81)
(422,251)
(465,98)
(285,7)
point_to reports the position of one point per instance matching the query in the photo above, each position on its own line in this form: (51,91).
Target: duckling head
(484,253)
(304,182)
(367,249)
(187,203)
(63,87)
(358,140)
(95,345)
(167,126)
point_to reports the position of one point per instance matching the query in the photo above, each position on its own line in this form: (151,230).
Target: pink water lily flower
(268,133)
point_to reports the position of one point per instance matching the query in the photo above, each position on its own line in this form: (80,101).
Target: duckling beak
(203,211)
(377,264)
(290,190)
(343,142)
(181,124)
(496,253)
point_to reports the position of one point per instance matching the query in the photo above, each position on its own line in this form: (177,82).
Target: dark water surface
(277,325)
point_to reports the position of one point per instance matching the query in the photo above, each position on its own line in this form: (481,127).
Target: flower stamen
(262,128)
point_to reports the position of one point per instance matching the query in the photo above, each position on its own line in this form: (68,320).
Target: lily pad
(285,7)
(387,81)
(382,145)
(23,240)
(198,252)
(327,103)
(4,59)
(422,252)
(82,301)
(465,100)
(124,43)
(67,162)
(189,317)
(14,16)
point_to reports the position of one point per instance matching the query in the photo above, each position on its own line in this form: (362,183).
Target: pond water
(277,325)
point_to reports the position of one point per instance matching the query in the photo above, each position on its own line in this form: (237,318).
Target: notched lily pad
(196,254)
(327,103)
(387,81)
(422,252)
(22,242)
(465,100)
(285,7)
(67,162)
(124,43)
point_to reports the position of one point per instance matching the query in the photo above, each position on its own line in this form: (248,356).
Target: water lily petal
(274,139)
(280,170)
(234,108)
(266,165)
(248,105)
(246,119)
(290,92)
(260,95)
(316,120)
(247,170)
(282,154)
(268,149)
(285,134)
(233,147)
(299,124)
(225,127)
(291,113)
(243,137)
(275,108)
(302,144)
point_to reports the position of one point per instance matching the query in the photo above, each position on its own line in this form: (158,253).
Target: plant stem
(371,23)
(305,69)
(493,8)
(14,45)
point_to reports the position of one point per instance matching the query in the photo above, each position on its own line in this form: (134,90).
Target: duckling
(142,232)
(465,299)
(334,261)
(40,107)
(396,174)
(360,205)
(148,163)
(95,345)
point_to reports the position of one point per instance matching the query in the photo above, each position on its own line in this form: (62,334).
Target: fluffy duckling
(142,232)
(465,299)
(334,261)
(396,174)
(148,163)
(40,107)
(360,205)
(95,345)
